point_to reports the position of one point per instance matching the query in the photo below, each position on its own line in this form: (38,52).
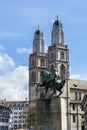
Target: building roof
(16,102)
(9,104)
(2,106)
(78,84)
(57,23)
(38,31)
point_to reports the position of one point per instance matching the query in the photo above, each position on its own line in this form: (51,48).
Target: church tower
(57,35)
(38,42)
(57,57)
(58,52)
(37,63)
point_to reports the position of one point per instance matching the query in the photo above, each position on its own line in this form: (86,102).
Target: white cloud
(6,62)
(24,50)
(10,34)
(75,76)
(13,84)
(13,80)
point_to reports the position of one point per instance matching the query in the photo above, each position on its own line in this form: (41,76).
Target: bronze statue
(55,77)
(51,81)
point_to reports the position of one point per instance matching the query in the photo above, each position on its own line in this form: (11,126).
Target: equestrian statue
(52,81)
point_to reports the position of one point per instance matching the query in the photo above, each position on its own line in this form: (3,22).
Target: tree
(31,118)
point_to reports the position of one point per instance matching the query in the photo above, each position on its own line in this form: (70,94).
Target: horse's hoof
(50,96)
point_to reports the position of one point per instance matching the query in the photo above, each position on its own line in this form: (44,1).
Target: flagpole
(67,93)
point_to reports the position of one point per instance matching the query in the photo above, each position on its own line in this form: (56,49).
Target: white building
(19,114)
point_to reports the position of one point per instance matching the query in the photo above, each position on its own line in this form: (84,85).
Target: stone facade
(78,88)
(50,114)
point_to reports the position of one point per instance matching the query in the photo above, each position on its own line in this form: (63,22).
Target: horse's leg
(54,89)
(46,89)
(60,93)
(38,85)
(54,92)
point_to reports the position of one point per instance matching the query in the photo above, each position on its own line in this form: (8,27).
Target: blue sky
(19,20)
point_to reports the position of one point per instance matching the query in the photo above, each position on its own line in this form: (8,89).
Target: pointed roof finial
(57,16)
(38,27)
(38,30)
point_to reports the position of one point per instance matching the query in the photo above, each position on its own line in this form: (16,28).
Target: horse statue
(52,82)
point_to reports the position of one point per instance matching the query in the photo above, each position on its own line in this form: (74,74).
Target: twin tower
(57,56)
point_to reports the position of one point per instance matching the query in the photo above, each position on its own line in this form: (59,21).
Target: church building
(57,56)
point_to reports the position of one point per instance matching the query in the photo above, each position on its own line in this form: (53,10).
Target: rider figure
(46,76)
(55,78)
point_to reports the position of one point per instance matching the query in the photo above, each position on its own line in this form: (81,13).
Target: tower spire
(38,42)
(57,17)
(57,32)
(38,27)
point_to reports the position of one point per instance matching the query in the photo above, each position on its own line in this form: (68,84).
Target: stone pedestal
(50,114)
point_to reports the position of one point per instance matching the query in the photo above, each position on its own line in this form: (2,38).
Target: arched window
(62,55)
(33,63)
(52,68)
(19,126)
(52,56)
(6,127)
(15,126)
(24,126)
(2,128)
(42,62)
(32,76)
(62,70)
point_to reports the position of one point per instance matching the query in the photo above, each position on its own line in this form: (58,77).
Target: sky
(19,20)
